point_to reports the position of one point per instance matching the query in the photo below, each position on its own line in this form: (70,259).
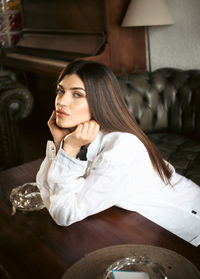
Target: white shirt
(118,172)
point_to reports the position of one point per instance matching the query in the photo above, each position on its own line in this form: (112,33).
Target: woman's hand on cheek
(84,134)
(57,132)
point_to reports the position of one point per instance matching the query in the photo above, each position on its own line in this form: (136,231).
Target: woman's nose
(65,100)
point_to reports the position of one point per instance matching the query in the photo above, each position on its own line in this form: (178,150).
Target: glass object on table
(26,198)
(137,264)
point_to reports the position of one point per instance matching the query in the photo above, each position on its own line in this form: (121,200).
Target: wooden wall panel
(64,15)
(125,48)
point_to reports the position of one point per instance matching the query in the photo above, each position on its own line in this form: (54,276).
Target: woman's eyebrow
(59,85)
(72,88)
(77,88)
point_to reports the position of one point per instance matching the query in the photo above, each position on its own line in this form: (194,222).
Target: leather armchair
(166,104)
(16,103)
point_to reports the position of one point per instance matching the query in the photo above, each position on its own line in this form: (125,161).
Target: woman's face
(71,102)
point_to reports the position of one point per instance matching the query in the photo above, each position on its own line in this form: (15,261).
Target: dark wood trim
(39,65)
(125,49)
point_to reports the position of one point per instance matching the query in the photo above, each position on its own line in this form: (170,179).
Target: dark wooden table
(33,246)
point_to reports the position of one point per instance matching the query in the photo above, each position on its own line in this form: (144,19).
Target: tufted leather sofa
(16,103)
(166,104)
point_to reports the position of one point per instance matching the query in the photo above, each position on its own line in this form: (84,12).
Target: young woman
(121,168)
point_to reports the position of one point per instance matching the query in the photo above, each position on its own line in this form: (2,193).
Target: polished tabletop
(33,246)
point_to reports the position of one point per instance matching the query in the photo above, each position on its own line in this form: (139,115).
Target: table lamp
(147,13)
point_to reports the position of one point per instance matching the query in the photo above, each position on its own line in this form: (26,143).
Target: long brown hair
(108,108)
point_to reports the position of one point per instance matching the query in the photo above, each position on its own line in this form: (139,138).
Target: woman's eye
(60,91)
(77,95)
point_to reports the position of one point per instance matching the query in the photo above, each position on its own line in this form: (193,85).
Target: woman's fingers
(79,129)
(85,128)
(84,134)
(89,130)
(93,129)
(96,129)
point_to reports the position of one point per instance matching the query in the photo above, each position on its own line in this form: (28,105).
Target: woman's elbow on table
(65,214)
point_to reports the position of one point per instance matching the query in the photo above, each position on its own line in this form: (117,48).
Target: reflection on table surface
(33,246)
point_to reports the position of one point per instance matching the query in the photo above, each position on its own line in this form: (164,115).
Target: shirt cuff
(66,160)
(196,241)
(50,150)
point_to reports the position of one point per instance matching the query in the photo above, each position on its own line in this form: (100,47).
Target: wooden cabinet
(56,32)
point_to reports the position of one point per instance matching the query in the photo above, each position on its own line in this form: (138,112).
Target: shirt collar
(94,147)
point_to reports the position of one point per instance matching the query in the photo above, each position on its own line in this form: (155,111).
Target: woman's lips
(61,113)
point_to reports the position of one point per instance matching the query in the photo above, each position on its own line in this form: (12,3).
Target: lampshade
(147,13)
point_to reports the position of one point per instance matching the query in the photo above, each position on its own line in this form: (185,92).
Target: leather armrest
(16,103)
